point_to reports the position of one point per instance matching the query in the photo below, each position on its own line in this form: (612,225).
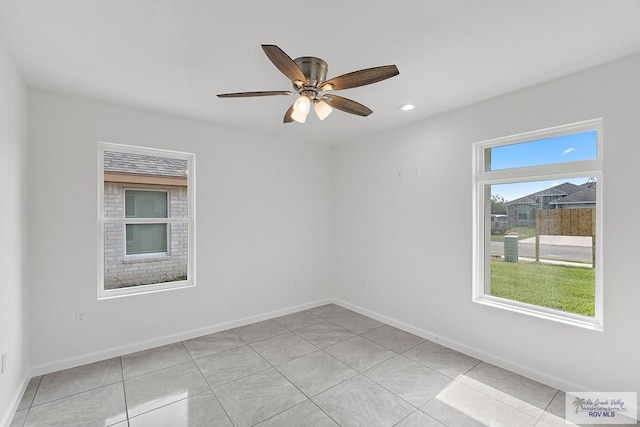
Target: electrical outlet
(3,363)
(81,317)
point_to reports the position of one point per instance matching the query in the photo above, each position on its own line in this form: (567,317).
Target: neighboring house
(521,212)
(144,192)
(581,199)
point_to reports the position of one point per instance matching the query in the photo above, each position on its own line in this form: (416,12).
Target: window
(150,237)
(146,220)
(523,213)
(548,262)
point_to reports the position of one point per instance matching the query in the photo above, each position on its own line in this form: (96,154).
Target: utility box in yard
(511,248)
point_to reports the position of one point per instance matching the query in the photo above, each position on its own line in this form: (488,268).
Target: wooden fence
(566,222)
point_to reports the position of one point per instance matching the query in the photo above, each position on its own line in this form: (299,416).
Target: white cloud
(568,150)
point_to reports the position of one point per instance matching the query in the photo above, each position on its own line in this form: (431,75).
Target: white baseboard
(525,371)
(7,417)
(169,339)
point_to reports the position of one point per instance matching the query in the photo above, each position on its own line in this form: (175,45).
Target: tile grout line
(275,367)
(169,404)
(324,412)
(397,354)
(28,408)
(408,415)
(207,382)
(301,327)
(244,344)
(33,399)
(501,402)
(322,348)
(395,351)
(417,408)
(385,388)
(158,370)
(285,410)
(124,391)
(155,370)
(544,411)
(271,366)
(74,394)
(358,373)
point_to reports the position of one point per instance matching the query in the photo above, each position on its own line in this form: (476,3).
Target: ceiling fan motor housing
(314,69)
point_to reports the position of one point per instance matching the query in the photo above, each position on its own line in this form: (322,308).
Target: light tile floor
(326,366)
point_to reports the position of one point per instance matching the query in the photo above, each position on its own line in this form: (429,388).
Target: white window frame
(482,223)
(164,221)
(190,221)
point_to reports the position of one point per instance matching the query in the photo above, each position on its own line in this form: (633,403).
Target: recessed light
(407,107)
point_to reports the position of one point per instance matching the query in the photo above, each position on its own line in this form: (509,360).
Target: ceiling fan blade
(360,78)
(259,93)
(285,64)
(287,116)
(346,105)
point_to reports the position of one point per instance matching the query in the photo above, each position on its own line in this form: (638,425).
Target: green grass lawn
(522,232)
(569,289)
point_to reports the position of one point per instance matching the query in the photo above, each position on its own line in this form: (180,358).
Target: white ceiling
(174,56)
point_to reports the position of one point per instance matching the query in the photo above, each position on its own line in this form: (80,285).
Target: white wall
(13,285)
(263,229)
(403,247)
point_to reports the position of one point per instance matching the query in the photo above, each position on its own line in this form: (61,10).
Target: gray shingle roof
(567,187)
(589,184)
(119,162)
(588,195)
(526,200)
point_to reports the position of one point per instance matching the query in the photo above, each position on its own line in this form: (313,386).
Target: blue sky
(560,149)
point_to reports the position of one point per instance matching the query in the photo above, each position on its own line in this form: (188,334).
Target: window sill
(542,312)
(145,289)
(132,259)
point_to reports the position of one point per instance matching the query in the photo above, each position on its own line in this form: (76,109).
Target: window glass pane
(130,204)
(541,242)
(145,204)
(558,149)
(146,238)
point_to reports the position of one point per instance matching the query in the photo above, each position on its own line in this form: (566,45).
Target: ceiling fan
(308,76)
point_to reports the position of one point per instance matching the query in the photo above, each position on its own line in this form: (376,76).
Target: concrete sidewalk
(584,241)
(556,262)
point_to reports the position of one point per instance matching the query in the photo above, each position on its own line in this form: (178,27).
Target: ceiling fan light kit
(322,109)
(308,76)
(301,108)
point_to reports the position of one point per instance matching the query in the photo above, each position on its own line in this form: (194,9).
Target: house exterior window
(146,220)
(150,237)
(523,213)
(548,263)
